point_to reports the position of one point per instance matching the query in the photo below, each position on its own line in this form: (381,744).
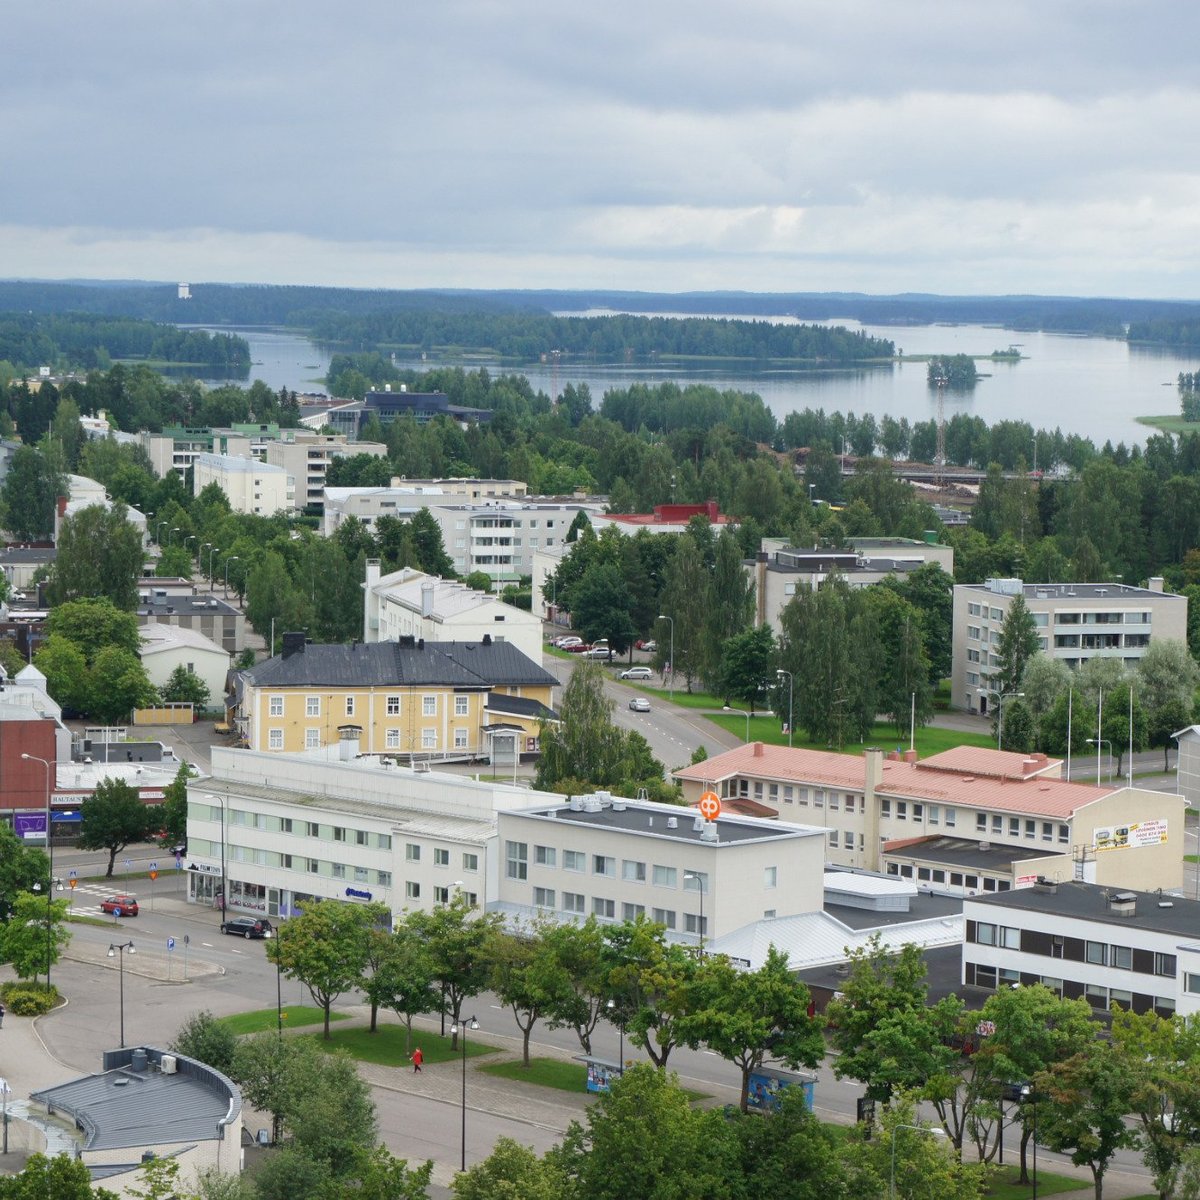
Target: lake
(1087,385)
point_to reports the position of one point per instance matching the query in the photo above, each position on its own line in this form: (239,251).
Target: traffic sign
(72,882)
(154,866)
(153,875)
(710,806)
(170,943)
(71,873)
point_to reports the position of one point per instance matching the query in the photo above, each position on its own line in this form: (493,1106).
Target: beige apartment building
(967,820)
(306,456)
(251,487)
(1075,622)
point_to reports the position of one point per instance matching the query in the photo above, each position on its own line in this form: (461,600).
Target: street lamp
(170,534)
(620,1024)
(50,852)
(214,550)
(701,881)
(220,800)
(791,682)
(158,531)
(741,712)
(1000,705)
(916,1129)
(117,951)
(671,664)
(1098,742)
(191,537)
(472,1023)
(231,559)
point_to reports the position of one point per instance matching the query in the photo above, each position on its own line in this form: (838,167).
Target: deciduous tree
(112,818)
(34,930)
(100,553)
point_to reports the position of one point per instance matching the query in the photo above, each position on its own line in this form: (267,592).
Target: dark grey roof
(466,665)
(28,554)
(1090,902)
(169,605)
(520,706)
(943,978)
(123,1107)
(924,906)
(963,852)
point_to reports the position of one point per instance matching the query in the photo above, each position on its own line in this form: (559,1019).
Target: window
(633,872)
(361,837)
(516,860)
(1120,996)
(460,739)
(935,814)
(470,862)
(981,822)
(901,810)
(1121,957)
(665,877)
(428,739)
(339,833)
(1097,952)
(604,908)
(285,824)
(631,912)
(1014,826)
(383,878)
(1009,937)
(572,902)
(847,840)
(275,739)
(1064,834)
(833,839)
(314,830)
(275,706)
(441,895)
(429,706)
(441,856)
(985,933)
(997,824)
(312,706)
(918,812)
(338,870)
(349,706)
(1047,831)
(770,876)
(1191,983)
(603,864)
(951,816)
(1164,964)
(393,706)
(391,739)
(1096,994)
(543,897)
(885,807)
(693,924)
(545,856)
(574,860)
(462,705)
(833,802)
(412,890)
(312,739)
(313,867)
(412,852)
(383,841)
(666,917)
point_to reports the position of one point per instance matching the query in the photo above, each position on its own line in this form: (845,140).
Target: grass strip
(262,1020)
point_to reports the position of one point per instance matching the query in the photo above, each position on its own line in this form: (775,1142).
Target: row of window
(996,823)
(391,739)
(1100,954)
(429,705)
(931,814)
(441,856)
(793,794)
(955,879)
(606,909)
(1096,994)
(441,893)
(1088,617)
(516,866)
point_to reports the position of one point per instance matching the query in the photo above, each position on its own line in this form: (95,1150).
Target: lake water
(1092,386)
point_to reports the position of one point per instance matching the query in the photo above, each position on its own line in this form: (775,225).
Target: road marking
(207,945)
(236,950)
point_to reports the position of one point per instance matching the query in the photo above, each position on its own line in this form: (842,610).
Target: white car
(599,652)
(637,673)
(567,640)
(639,704)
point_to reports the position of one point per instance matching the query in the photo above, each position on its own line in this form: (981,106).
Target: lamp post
(1098,742)
(1027,1095)
(701,881)
(231,559)
(620,1024)
(214,550)
(158,531)
(50,853)
(117,950)
(220,800)
(742,713)
(1004,696)
(916,1129)
(472,1023)
(191,537)
(170,534)
(791,682)
(671,664)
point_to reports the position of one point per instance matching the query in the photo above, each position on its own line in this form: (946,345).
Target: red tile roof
(978,760)
(760,761)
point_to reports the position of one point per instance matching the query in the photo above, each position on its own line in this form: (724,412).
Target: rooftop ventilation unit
(672,822)
(1123,904)
(169,1064)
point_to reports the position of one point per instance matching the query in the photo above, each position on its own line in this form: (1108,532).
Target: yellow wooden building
(417,700)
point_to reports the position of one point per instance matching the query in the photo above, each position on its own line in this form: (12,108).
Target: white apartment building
(167,647)
(618,860)
(176,449)
(252,487)
(306,456)
(1075,622)
(403,497)
(334,825)
(1136,949)
(410,603)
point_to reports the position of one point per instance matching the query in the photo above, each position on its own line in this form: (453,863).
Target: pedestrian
(417,1059)
(2,1011)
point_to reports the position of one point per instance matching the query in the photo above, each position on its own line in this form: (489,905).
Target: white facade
(1075,622)
(166,647)
(404,496)
(410,603)
(253,488)
(306,456)
(619,860)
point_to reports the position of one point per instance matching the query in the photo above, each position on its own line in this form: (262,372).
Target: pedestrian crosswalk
(86,898)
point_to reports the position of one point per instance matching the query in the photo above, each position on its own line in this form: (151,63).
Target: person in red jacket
(417,1059)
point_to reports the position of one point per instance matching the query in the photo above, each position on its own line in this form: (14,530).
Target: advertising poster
(1135,836)
(30,826)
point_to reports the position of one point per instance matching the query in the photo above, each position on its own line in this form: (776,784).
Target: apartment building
(405,497)
(1138,949)
(215,619)
(411,699)
(252,487)
(967,820)
(410,603)
(1075,622)
(305,456)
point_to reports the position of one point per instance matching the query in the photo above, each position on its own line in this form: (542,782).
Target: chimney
(427,599)
(348,736)
(487,639)
(373,572)
(1123,904)
(293,643)
(757,749)
(1156,583)
(910,756)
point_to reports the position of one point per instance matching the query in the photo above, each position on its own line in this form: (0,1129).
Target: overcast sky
(868,145)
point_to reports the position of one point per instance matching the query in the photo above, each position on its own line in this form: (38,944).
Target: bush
(26,1000)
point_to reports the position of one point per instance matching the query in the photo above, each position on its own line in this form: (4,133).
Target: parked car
(639,704)
(581,648)
(636,673)
(567,641)
(120,906)
(247,927)
(646,644)
(599,652)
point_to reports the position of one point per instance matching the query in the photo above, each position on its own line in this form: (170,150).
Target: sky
(1042,146)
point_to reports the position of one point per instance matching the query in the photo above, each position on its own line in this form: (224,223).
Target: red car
(120,906)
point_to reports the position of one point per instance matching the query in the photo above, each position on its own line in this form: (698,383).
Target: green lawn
(930,740)
(389,1047)
(1049,1184)
(555,1073)
(683,698)
(295,1016)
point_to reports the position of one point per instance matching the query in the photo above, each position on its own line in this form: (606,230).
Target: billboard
(1136,835)
(30,826)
